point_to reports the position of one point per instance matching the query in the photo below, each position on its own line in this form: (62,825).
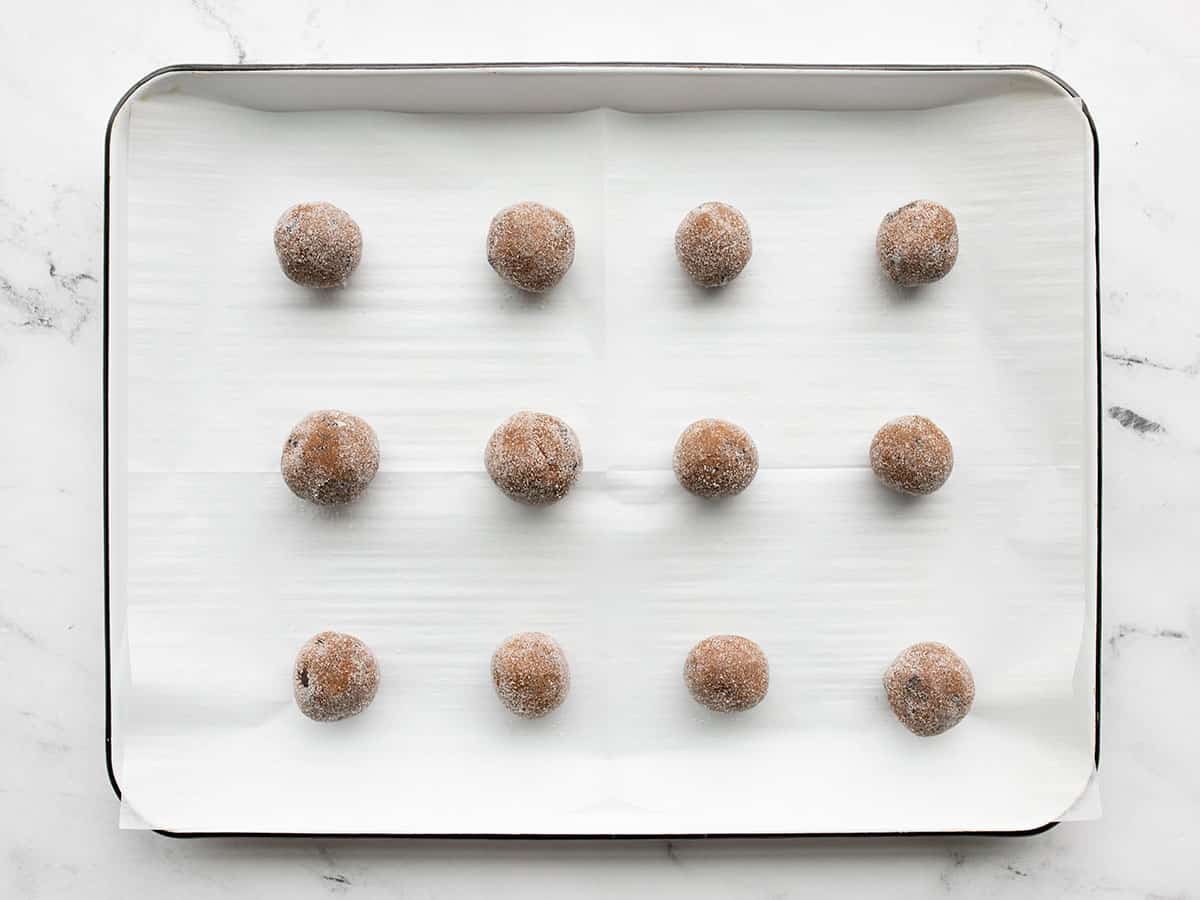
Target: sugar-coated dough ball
(530,673)
(533,458)
(335,677)
(714,458)
(917,243)
(713,244)
(531,246)
(727,673)
(929,688)
(318,245)
(912,455)
(330,457)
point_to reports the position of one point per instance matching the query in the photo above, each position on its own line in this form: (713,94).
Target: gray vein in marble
(1055,20)
(1131,359)
(205,8)
(1127,418)
(957,858)
(338,881)
(30,304)
(1125,631)
(7,625)
(64,300)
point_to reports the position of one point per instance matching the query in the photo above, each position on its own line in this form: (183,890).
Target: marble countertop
(63,65)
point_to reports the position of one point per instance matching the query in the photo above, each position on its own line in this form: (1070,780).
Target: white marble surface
(62,66)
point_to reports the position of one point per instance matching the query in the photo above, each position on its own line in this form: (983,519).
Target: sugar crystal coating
(335,676)
(912,455)
(318,245)
(530,674)
(714,458)
(713,244)
(534,458)
(917,243)
(330,457)
(929,688)
(727,673)
(531,246)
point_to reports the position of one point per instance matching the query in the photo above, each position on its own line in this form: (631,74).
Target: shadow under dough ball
(912,455)
(330,457)
(714,458)
(318,245)
(530,673)
(929,688)
(533,458)
(917,243)
(727,673)
(335,677)
(713,244)
(531,246)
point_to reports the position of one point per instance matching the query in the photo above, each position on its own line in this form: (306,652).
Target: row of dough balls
(331,456)
(928,686)
(531,246)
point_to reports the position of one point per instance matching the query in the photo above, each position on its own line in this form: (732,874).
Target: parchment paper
(811,350)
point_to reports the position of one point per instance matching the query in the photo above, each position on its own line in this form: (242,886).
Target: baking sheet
(810,350)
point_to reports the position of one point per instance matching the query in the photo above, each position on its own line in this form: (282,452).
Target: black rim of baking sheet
(417,67)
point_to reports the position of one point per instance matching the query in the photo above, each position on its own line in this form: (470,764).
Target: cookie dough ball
(318,245)
(335,677)
(929,688)
(530,673)
(531,246)
(727,673)
(714,458)
(912,455)
(713,244)
(917,243)
(330,457)
(534,458)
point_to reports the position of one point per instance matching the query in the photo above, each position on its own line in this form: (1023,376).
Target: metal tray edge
(800,67)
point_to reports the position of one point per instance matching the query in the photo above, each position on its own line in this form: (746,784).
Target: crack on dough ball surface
(714,458)
(335,676)
(534,458)
(713,244)
(727,673)
(531,246)
(330,457)
(318,245)
(530,674)
(929,688)
(917,243)
(912,455)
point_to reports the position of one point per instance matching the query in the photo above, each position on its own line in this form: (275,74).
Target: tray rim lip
(200,68)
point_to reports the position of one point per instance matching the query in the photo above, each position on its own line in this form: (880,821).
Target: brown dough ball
(929,688)
(534,458)
(531,246)
(335,677)
(330,457)
(713,244)
(714,458)
(318,245)
(727,673)
(531,675)
(917,243)
(912,455)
